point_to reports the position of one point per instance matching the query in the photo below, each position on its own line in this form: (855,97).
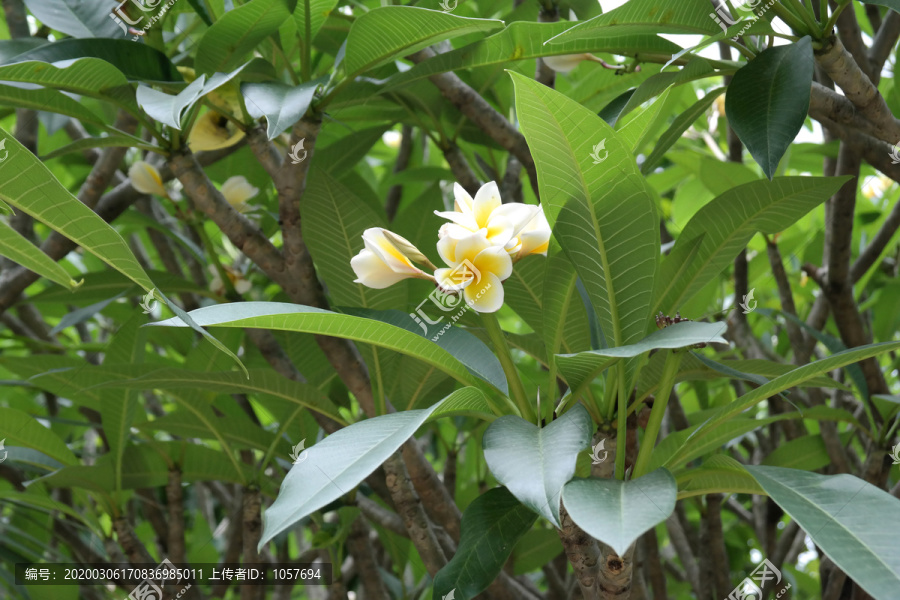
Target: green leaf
(524,40)
(892,4)
(17,248)
(87,76)
(724,226)
(75,17)
(580,369)
(856,524)
(721,474)
(677,129)
(807,453)
(318,13)
(167,108)
(23,96)
(384,33)
(536,462)
(781,383)
(603,214)
(337,464)
(490,528)
(296,317)
(232,37)
(646,16)
(114,140)
(30,186)
(21,429)
(263,382)
(618,512)
(768,100)
(11,48)
(135,61)
(282,105)
(564,320)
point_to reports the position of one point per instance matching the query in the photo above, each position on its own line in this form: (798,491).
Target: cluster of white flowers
(480,244)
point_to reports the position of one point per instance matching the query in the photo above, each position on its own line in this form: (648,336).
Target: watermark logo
(148,590)
(2,450)
(3,150)
(295,152)
(895,454)
(448,6)
(595,452)
(751,588)
(448,296)
(723,18)
(601,147)
(120,15)
(749,304)
(894,153)
(298,453)
(450,596)
(149,303)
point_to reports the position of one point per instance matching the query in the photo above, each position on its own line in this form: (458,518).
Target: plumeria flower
(386,259)
(146,179)
(566,62)
(213,131)
(217,286)
(237,190)
(520,228)
(476,268)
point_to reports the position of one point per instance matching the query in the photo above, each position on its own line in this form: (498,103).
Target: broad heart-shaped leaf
(238,31)
(524,40)
(536,462)
(19,428)
(135,61)
(490,528)
(296,317)
(385,33)
(30,186)
(77,18)
(282,105)
(647,16)
(768,100)
(856,524)
(779,384)
(618,512)
(18,249)
(167,108)
(725,225)
(580,369)
(337,464)
(600,207)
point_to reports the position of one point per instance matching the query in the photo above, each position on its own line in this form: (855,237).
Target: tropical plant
(450,300)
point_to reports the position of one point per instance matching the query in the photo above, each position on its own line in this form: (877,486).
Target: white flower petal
(146,179)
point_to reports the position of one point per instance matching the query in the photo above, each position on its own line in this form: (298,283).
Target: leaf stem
(792,21)
(495,333)
(670,370)
(832,20)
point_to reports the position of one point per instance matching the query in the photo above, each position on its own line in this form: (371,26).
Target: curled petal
(463,200)
(372,272)
(146,179)
(376,241)
(487,200)
(213,131)
(486,296)
(494,260)
(238,190)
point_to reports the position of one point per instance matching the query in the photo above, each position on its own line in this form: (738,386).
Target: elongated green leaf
(580,369)
(310,15)
(536,462)
(646,16)
(114,140)
(18,249)
(282,105)
(618,512)
(232,37)
(385,33)
(337,464)
(677,129)
(721,474)
(893,4)
(11,48)
(768,100)
(697,68)
(138,62)
(296,317)
(599,206)
(30,186)
(242,433)
(18,428)
(22,95)
(565,323)
(87,76)
(524,289)
(490,528)
(837,512)
(524,40)
(725,433)
(75,17)
(807,453)
(728,223)
(264,382)
(788,380)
